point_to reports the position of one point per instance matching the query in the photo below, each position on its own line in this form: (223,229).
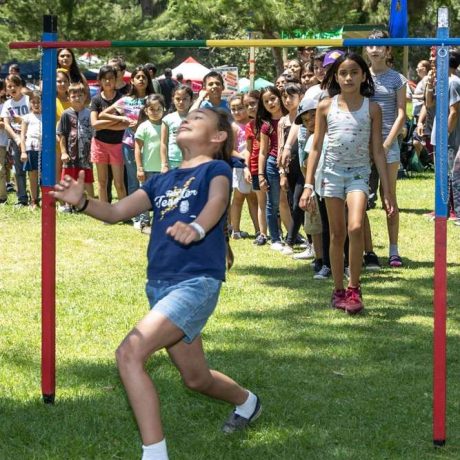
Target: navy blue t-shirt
(180,195)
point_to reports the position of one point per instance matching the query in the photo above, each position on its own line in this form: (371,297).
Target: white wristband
(199,229)
(310,186)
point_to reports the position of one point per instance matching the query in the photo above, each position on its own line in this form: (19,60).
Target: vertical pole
(406,61)
(252,64)
(440,259)
(49,213)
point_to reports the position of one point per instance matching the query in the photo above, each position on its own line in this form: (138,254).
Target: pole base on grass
(439,442)
(48,399)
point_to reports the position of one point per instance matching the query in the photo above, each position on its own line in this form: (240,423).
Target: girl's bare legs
(261,213)
(102,173)
(318,245)
(285,212)
(33,181)
(367,235)
(235,210)
(251,199)
(393,221)
(152,333)
(356,203)
(190,361)
(118,180)
(337,230)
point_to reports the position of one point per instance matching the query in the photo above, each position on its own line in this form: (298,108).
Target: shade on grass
(333,387)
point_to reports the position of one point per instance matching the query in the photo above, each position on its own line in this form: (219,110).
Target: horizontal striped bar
(348,42)
(160,44)
(274,43)
(61,44)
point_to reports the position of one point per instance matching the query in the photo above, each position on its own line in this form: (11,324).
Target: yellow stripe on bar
(274,43)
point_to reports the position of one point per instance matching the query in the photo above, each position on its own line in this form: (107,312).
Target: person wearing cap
(321,62)
(306,113)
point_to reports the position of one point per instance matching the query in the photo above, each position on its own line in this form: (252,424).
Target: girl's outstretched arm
(218,199)
(379,155)
(72,191)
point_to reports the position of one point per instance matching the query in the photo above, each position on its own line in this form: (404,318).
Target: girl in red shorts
(106,144)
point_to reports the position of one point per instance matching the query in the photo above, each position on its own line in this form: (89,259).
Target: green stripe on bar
(159,43)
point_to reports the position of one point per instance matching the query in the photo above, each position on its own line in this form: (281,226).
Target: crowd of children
(307,153)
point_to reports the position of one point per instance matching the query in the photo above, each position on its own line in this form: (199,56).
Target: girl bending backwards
(352,122)
(186,267)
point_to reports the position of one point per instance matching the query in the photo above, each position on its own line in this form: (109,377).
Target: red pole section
(48,295)
(61,44)
(439,336)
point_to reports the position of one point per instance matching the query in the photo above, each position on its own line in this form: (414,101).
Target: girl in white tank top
(351,122)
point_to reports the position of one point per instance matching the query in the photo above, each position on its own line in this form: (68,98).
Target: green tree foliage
(192,19)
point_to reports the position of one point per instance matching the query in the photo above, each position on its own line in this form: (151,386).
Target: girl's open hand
(70,190)
(183,233)
(389,205)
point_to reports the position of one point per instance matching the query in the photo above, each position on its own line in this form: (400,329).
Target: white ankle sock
(247,408)
(155,451)
(394,250)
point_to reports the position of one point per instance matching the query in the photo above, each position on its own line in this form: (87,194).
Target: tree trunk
(147,8)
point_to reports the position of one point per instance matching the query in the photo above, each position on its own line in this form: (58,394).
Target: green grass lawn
(332,386)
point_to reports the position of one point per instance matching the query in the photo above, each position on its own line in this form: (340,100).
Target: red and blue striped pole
(48,179)
(440,258)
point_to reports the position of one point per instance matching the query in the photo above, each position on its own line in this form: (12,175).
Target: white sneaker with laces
(277,246)
(323,274)
(307,254)
(287,251)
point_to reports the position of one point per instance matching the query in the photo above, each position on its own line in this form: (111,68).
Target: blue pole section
(49,112)
(442,109)
(438,41)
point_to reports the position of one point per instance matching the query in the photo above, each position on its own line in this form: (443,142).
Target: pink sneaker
(353,300)
(338,299)
(395,261)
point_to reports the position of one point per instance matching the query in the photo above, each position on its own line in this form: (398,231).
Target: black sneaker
(260,240)
(371,261)
(236,422)
(317,265)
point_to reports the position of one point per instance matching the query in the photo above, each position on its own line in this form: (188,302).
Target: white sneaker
(307,254)
(457,222)
(137,224)
(277,246)
(287,251)
(323,274)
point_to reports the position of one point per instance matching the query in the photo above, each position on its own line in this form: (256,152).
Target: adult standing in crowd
(167,87)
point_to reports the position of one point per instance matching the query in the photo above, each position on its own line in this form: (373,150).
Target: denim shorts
(338,182)
(394,154)
(188,304)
